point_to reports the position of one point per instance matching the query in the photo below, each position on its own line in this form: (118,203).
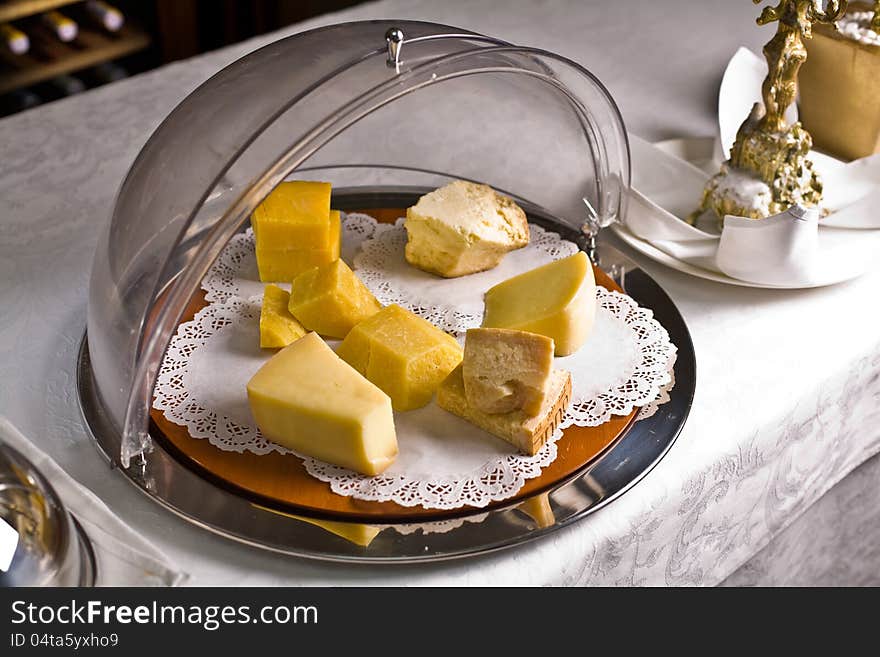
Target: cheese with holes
(557,300)
(331,299)
(506,370)
(278,328)
(286,264)
(527,433)
(403,354)
(309,400)
(463,228)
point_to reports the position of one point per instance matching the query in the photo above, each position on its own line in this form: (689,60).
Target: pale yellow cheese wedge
(309,400)
(403,354)
(527,433)
(278,328)
(557,300)
(294,216)
(506,370)
(286,264)
(463,228)
(331,299)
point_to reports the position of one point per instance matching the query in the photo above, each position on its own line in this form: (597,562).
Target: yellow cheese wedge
(506,370)
(403,354)
(557,300)
(278,328)
(463,228)
(286,264)
(527,433)
(294,216)
(331,299)
(309,400)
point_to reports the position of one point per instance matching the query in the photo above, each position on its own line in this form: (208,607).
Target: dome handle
(394,39)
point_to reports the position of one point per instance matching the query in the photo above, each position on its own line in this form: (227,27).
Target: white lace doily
(444,461)
(649,409)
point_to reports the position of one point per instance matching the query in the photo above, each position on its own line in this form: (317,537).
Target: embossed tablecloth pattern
(788,394)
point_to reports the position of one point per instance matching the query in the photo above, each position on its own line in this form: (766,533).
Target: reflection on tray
(354,532)
(537,508)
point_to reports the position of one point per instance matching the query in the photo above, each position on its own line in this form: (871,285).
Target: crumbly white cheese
(463,228)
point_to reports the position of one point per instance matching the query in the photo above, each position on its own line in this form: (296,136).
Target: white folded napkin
(773,251)
(792,249)
(124,558)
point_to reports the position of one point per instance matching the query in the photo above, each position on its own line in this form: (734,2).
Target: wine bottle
(106,15)
(18,101)
(67,85)
(107,72)
(15,40)
(61,26)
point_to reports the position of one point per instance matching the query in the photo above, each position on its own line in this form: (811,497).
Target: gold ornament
(769,157)
(875,22)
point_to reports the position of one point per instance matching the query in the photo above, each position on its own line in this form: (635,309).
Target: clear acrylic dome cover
(352,105)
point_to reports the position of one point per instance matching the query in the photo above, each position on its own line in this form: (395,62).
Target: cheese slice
(309,400)
(331,299)
(278,328)
(506,370)
(557,300)
(403,354)
(463,228)
(527,433)
(285,264)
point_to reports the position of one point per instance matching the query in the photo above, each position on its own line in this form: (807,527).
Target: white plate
(701,152)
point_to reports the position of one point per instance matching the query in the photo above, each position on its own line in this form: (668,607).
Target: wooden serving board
(280,481)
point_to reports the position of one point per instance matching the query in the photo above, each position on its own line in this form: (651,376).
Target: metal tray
(177,487)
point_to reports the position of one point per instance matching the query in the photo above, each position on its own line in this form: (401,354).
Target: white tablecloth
(788,390)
